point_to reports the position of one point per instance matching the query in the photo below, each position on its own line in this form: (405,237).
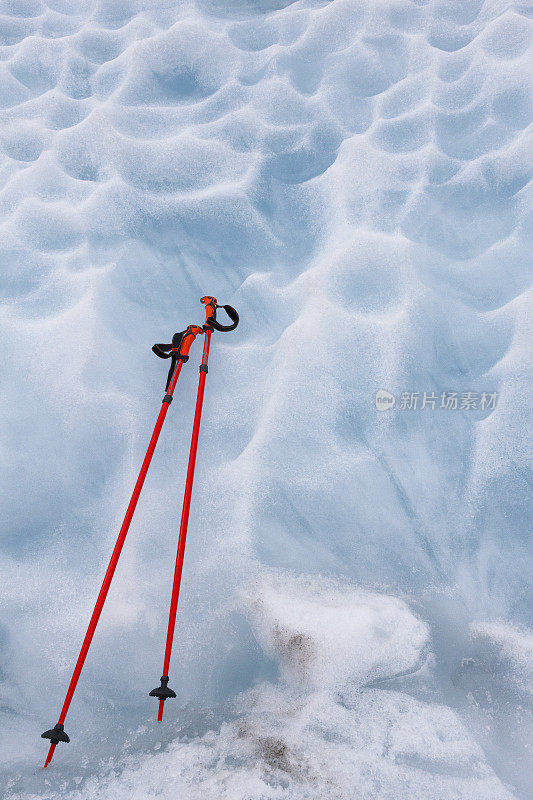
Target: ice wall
(352,176)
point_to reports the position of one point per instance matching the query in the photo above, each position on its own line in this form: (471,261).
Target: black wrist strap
(232,314)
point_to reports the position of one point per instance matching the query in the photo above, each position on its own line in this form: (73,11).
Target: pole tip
(49,756)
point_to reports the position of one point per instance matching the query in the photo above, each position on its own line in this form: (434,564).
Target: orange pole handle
(210,304)
(188,337)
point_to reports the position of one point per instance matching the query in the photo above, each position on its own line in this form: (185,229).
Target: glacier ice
(353,176)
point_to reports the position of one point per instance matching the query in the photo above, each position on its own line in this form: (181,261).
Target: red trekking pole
(178,351)
(163,692)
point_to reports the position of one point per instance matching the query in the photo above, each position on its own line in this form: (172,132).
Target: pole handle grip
(183,345)
(180,345)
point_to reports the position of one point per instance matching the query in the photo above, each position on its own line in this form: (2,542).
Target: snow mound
(325,730)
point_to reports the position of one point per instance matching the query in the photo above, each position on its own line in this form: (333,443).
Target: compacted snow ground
(352,176)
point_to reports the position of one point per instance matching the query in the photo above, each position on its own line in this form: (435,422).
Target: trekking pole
(178,351)
(163,692)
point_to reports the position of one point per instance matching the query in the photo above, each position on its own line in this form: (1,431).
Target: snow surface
(352,176)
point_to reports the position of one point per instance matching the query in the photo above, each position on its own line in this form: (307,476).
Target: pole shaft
(93,622)
(185,516)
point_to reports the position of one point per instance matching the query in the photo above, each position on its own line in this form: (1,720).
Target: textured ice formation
(332,727)
(353,176)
